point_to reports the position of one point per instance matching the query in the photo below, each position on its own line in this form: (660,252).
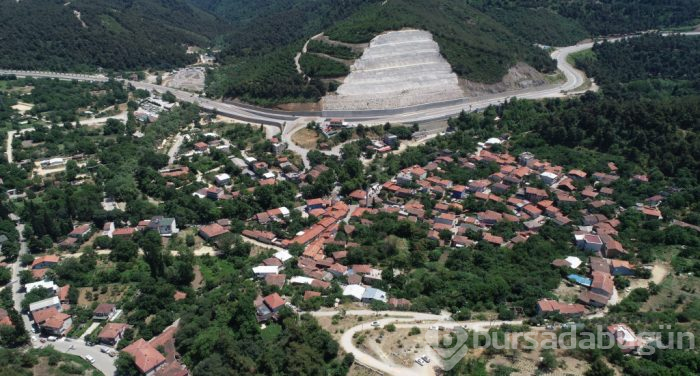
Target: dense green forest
(603,17)
(338,51)
(258,39)
(265,80)
(317,66)
(477,47)
(119,35)
(652,57)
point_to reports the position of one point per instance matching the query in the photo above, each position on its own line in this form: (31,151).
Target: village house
(165,226)
(81,232)
(146,357)
(547,306)
(267,307)
(44,262)
(112,333)
(212,231)
(625,337)
(104,311)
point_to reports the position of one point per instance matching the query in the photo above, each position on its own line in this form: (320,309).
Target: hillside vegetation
(117,34)
(650,57)
(259,38)
(477,47)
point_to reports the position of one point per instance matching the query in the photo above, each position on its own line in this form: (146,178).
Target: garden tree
(125,365)
(25,276)
(468,366)
(113,126)
(350,151)
(103,242)
(76,271)
(10,249)
(35,295)
(181,272)
(315,157)
(5,276)
(123,250)
(72,170)
(153,252)
(549,360)
(599,368)
(122,187)
(169,97)
(38,245)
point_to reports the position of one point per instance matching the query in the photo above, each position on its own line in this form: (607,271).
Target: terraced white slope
(398,69)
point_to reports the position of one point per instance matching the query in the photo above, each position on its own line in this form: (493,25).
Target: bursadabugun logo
(449,344)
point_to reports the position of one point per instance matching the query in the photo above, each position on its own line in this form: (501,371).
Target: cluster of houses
(318,268)
(49,314)
(524,190)
(166,226)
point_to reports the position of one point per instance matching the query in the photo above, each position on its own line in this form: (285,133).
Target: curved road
(402,319)
(430,111)
(574,78)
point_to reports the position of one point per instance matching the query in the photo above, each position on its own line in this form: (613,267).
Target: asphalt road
(431,111)
(103,362)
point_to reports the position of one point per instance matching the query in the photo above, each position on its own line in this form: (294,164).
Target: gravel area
(398,69)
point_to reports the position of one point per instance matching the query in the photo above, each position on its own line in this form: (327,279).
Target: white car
(425,358)
(420,361)
(89,358)
(375,323)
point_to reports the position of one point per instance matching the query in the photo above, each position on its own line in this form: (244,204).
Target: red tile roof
(146,357)
(273,301)
(48,259)
(213,230)
(112,330)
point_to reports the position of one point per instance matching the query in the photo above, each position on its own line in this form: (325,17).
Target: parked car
(89,358)
(52,339)
(375,323)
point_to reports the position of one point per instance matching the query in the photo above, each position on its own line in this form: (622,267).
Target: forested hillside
(478,47)
(650,57)
(112,34)
(602,17)
(258,38)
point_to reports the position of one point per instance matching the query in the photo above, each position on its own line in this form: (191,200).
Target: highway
(574,78)
(422,113)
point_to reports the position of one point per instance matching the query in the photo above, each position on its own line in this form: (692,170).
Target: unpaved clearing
(22,107)
(190,79)
(399,69)
(306,138)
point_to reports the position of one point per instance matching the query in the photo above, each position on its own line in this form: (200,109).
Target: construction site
(398,69)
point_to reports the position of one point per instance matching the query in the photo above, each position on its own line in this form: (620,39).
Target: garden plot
(398,69)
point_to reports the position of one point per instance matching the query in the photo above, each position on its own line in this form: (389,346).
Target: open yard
(305,138)
(105,294)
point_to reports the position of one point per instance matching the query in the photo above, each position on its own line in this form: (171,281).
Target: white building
(222,179)
(46,303)
(356,291)
(49,285)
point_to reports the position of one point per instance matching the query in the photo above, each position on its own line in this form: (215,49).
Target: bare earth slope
(399,69)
